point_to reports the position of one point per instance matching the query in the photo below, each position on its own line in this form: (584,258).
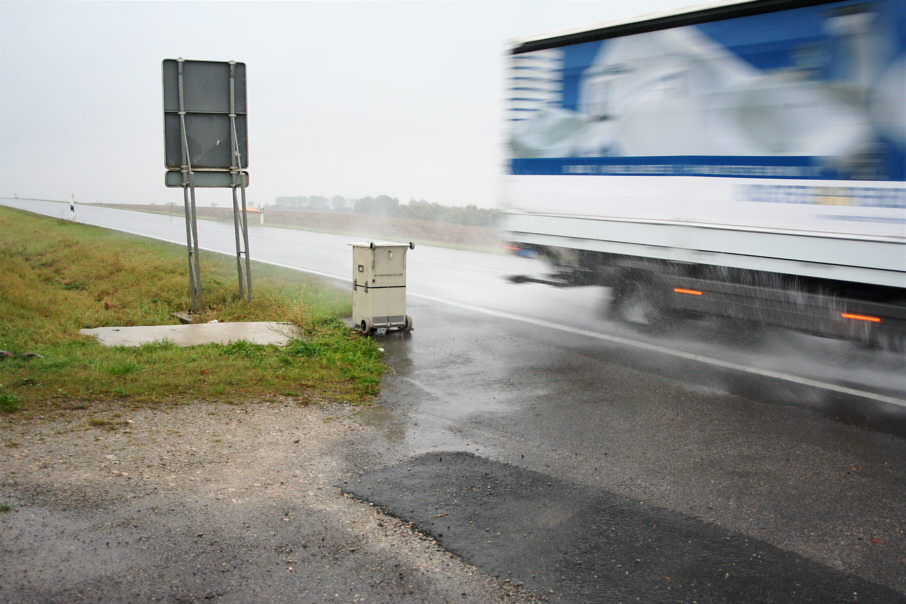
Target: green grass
(9,402)
(60,277)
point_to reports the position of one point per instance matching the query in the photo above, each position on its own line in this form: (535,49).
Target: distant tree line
(390,207)
(317,203)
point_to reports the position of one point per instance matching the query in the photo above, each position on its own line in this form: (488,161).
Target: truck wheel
(366,326)
(408,326)
(636,301)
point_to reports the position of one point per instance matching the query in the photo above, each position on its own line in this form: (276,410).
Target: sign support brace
(188,187)
(240,216)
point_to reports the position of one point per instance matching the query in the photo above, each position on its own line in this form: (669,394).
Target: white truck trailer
(742,159)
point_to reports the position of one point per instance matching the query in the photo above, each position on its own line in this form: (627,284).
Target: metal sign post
(189,200)
(240,218)
(204,107)
(192,247)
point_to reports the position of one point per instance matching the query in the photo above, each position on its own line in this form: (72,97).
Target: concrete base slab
(255,332)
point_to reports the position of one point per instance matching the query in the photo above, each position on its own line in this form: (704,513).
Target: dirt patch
(210,501)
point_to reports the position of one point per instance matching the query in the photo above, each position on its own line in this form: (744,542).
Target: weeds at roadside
(110,423)
(62,277)
(9,403)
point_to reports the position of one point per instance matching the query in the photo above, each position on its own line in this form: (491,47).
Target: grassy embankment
(59,277)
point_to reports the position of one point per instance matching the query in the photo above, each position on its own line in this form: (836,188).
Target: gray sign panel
(207,179)
(207,99)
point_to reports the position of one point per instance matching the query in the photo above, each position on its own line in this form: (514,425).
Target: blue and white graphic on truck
(751,152)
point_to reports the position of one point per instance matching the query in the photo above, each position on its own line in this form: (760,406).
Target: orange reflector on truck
(691,292)
(867,318)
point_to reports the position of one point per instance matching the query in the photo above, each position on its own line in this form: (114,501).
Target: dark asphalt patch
(574,543)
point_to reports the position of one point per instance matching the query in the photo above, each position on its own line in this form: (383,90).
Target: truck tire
(636,300)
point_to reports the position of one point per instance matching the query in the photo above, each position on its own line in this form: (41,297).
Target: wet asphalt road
(817,500)
(765,460)
(577,543)
(792,444)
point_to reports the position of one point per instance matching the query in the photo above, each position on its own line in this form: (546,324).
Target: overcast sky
(344,98)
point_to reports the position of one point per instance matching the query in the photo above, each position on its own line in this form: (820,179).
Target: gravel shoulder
(211,501)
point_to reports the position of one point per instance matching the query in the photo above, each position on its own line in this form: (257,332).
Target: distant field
(402,229)
(60,277)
